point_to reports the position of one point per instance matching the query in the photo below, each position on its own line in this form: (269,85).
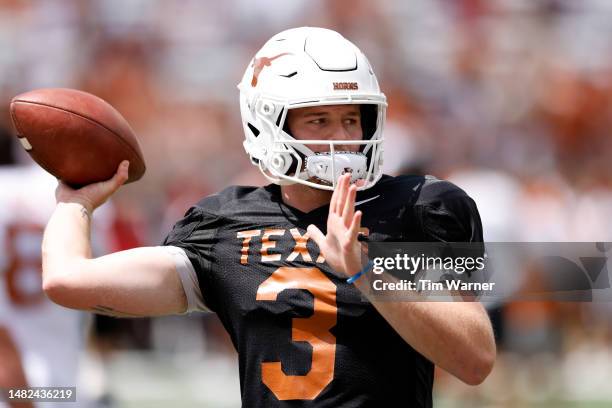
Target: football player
(12,374)
(47,338)
(273,262)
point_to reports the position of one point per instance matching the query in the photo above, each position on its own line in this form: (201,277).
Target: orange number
(21,263)
(314,330)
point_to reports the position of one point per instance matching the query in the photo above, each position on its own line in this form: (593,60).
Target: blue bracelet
(361,272)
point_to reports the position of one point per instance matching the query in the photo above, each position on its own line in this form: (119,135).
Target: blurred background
(510,99)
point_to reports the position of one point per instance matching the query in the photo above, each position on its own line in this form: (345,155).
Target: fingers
(122,173)
(93,195)
(120,176)
(62,190)
(349,205)
(61,186)
(334,197)
(109,187)
(341,192)
(355,225)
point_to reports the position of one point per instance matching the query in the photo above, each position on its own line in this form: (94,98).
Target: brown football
(74,135)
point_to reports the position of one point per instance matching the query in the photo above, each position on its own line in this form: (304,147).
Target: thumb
(120,176)
(315,233)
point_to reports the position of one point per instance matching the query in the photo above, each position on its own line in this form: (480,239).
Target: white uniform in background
(50,338)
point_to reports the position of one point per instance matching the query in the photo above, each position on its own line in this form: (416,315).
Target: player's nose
(339,132)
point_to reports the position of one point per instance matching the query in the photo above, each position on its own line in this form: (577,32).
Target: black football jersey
(305,337)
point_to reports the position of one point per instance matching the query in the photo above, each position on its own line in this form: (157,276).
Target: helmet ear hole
(253,129)
(266,108)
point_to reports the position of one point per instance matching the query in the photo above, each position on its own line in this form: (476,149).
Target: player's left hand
(340,246)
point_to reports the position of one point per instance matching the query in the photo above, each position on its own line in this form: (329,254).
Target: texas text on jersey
(304,335)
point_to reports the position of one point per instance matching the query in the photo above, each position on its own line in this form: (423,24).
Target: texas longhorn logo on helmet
(260,63)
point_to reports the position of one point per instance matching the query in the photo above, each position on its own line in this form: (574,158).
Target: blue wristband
(361,272)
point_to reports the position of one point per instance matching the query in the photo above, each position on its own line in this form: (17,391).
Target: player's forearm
(66,240)
(455,336)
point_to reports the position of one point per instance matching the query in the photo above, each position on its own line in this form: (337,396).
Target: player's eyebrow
(323,113)
(311,114)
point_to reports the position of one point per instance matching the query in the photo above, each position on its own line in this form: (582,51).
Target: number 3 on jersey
(314,329)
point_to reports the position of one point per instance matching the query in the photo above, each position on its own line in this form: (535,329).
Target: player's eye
(318,121)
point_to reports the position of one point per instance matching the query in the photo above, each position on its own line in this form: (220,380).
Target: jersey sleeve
(189,279)
(195,234)
(447,214)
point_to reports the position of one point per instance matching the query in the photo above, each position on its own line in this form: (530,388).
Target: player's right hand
(340,247)
(93,195)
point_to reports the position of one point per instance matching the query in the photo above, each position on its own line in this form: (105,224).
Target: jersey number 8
(23,280)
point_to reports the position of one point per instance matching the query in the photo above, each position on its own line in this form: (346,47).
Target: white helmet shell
(304,67)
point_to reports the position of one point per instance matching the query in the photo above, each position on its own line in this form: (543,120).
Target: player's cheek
(355,133)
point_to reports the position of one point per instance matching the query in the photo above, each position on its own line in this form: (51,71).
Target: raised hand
(340,246)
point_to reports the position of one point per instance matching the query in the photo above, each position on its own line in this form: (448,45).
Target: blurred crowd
(510,99)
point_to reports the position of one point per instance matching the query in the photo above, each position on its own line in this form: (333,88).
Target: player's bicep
(132,283)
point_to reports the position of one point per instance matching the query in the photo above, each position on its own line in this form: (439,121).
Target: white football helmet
(304,67)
